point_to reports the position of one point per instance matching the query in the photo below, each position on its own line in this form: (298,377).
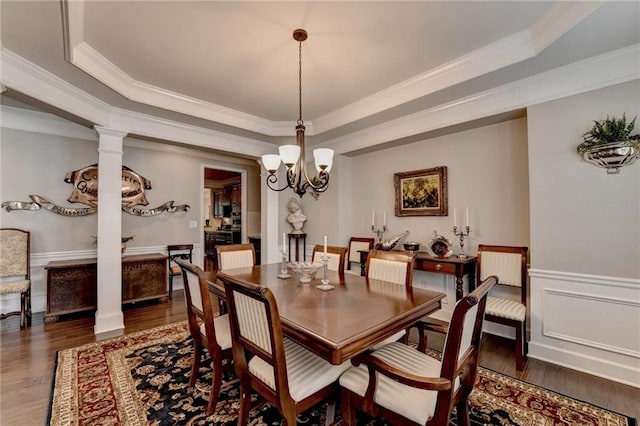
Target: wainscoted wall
(585,241)
(587,322)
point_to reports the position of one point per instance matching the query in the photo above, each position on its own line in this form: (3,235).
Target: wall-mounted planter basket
(612,156)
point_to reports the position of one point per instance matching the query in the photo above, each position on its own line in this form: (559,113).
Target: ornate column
(109,318)
(269,220)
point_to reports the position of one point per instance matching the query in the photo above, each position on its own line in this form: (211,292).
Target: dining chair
(336,255)
(15,270)
(207,331)
(391,267)
(235,256)
(284,373)
(177,251)
(509,263)
(405,386)
(355,245)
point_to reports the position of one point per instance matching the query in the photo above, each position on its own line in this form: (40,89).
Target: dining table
(341,323)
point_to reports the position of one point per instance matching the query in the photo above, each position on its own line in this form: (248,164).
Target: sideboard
(453,265)
(72,284)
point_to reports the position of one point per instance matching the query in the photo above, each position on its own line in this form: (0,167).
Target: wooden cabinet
(236,196)
(72,284)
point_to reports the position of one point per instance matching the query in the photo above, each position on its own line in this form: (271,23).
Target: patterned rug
(142,379)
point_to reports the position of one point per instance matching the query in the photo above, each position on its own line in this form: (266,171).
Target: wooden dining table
(341,323)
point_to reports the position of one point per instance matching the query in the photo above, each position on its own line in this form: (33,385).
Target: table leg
(459,282)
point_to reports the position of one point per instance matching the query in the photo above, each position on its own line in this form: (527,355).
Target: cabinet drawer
(435,266)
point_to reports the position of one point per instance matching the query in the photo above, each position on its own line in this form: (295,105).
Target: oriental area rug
(142,379)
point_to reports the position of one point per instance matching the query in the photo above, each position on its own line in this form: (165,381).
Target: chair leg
(23,310)
(170,287)
(348,410)
(195,367)
(462,411)
(520,347)
(216,384)
(245,403)
(28,307)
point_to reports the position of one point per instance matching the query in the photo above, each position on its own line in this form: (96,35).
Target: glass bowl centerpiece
(305,271)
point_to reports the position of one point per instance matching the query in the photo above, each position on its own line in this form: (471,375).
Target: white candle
(384,220)
(455,222)
(284,243)
(325,244)
(467,214)
(373,218)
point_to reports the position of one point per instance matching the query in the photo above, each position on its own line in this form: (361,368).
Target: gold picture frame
(421,192)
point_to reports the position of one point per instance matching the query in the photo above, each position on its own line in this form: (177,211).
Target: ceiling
(233,65)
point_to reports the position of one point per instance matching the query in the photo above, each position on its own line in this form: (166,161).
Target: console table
(448,266)
(72,284)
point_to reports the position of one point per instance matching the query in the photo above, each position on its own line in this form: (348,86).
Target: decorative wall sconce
(609,144)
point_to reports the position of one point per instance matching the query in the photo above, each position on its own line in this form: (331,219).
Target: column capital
(104,131)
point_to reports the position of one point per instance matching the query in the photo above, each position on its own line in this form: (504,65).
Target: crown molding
(40,122)
(594,73)
(510,50)
(30,79)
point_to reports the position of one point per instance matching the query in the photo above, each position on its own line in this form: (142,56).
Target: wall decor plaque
(85,191)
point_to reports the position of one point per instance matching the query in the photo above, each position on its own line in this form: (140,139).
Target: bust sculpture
(296,217)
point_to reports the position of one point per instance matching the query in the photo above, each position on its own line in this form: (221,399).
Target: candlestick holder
(284,270)
(325,274)
(461,234)
(379,233)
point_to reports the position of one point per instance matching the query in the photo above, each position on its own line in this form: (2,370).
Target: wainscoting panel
(588,323)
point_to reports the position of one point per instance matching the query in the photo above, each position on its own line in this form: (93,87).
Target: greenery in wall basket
(609,131)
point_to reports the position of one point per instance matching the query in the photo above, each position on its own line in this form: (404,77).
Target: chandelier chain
(300,121)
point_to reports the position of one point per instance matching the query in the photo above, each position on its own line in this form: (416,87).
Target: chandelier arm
(273,179)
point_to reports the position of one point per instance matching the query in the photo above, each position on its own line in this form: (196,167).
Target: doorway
(223,211)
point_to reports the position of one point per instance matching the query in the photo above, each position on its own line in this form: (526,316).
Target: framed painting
(421,192)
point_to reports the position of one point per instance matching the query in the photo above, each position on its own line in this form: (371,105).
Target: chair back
(355,245)
(336,255)
(508,263)
(178,251)
(391,266)
(462,347)
(256,330)
(236,256)
(15,250)
(199,306)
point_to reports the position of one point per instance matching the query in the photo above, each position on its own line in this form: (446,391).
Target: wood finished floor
(27,363)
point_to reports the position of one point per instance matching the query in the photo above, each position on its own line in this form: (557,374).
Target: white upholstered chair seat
(415,404)
(223,332)
(12,287)
(307,372)
(506,308)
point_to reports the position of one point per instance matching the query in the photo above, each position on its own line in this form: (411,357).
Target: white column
(269,220)
(109,318)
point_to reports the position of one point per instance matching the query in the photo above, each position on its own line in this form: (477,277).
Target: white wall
(585,241)
(487,171)
(36,163)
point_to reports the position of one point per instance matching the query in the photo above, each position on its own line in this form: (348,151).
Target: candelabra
(284,270)
(461,234)
(379,233)
(325,274)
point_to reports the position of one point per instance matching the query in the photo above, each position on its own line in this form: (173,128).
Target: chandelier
(293,156)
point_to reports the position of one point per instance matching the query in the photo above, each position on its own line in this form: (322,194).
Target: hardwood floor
(27,358)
